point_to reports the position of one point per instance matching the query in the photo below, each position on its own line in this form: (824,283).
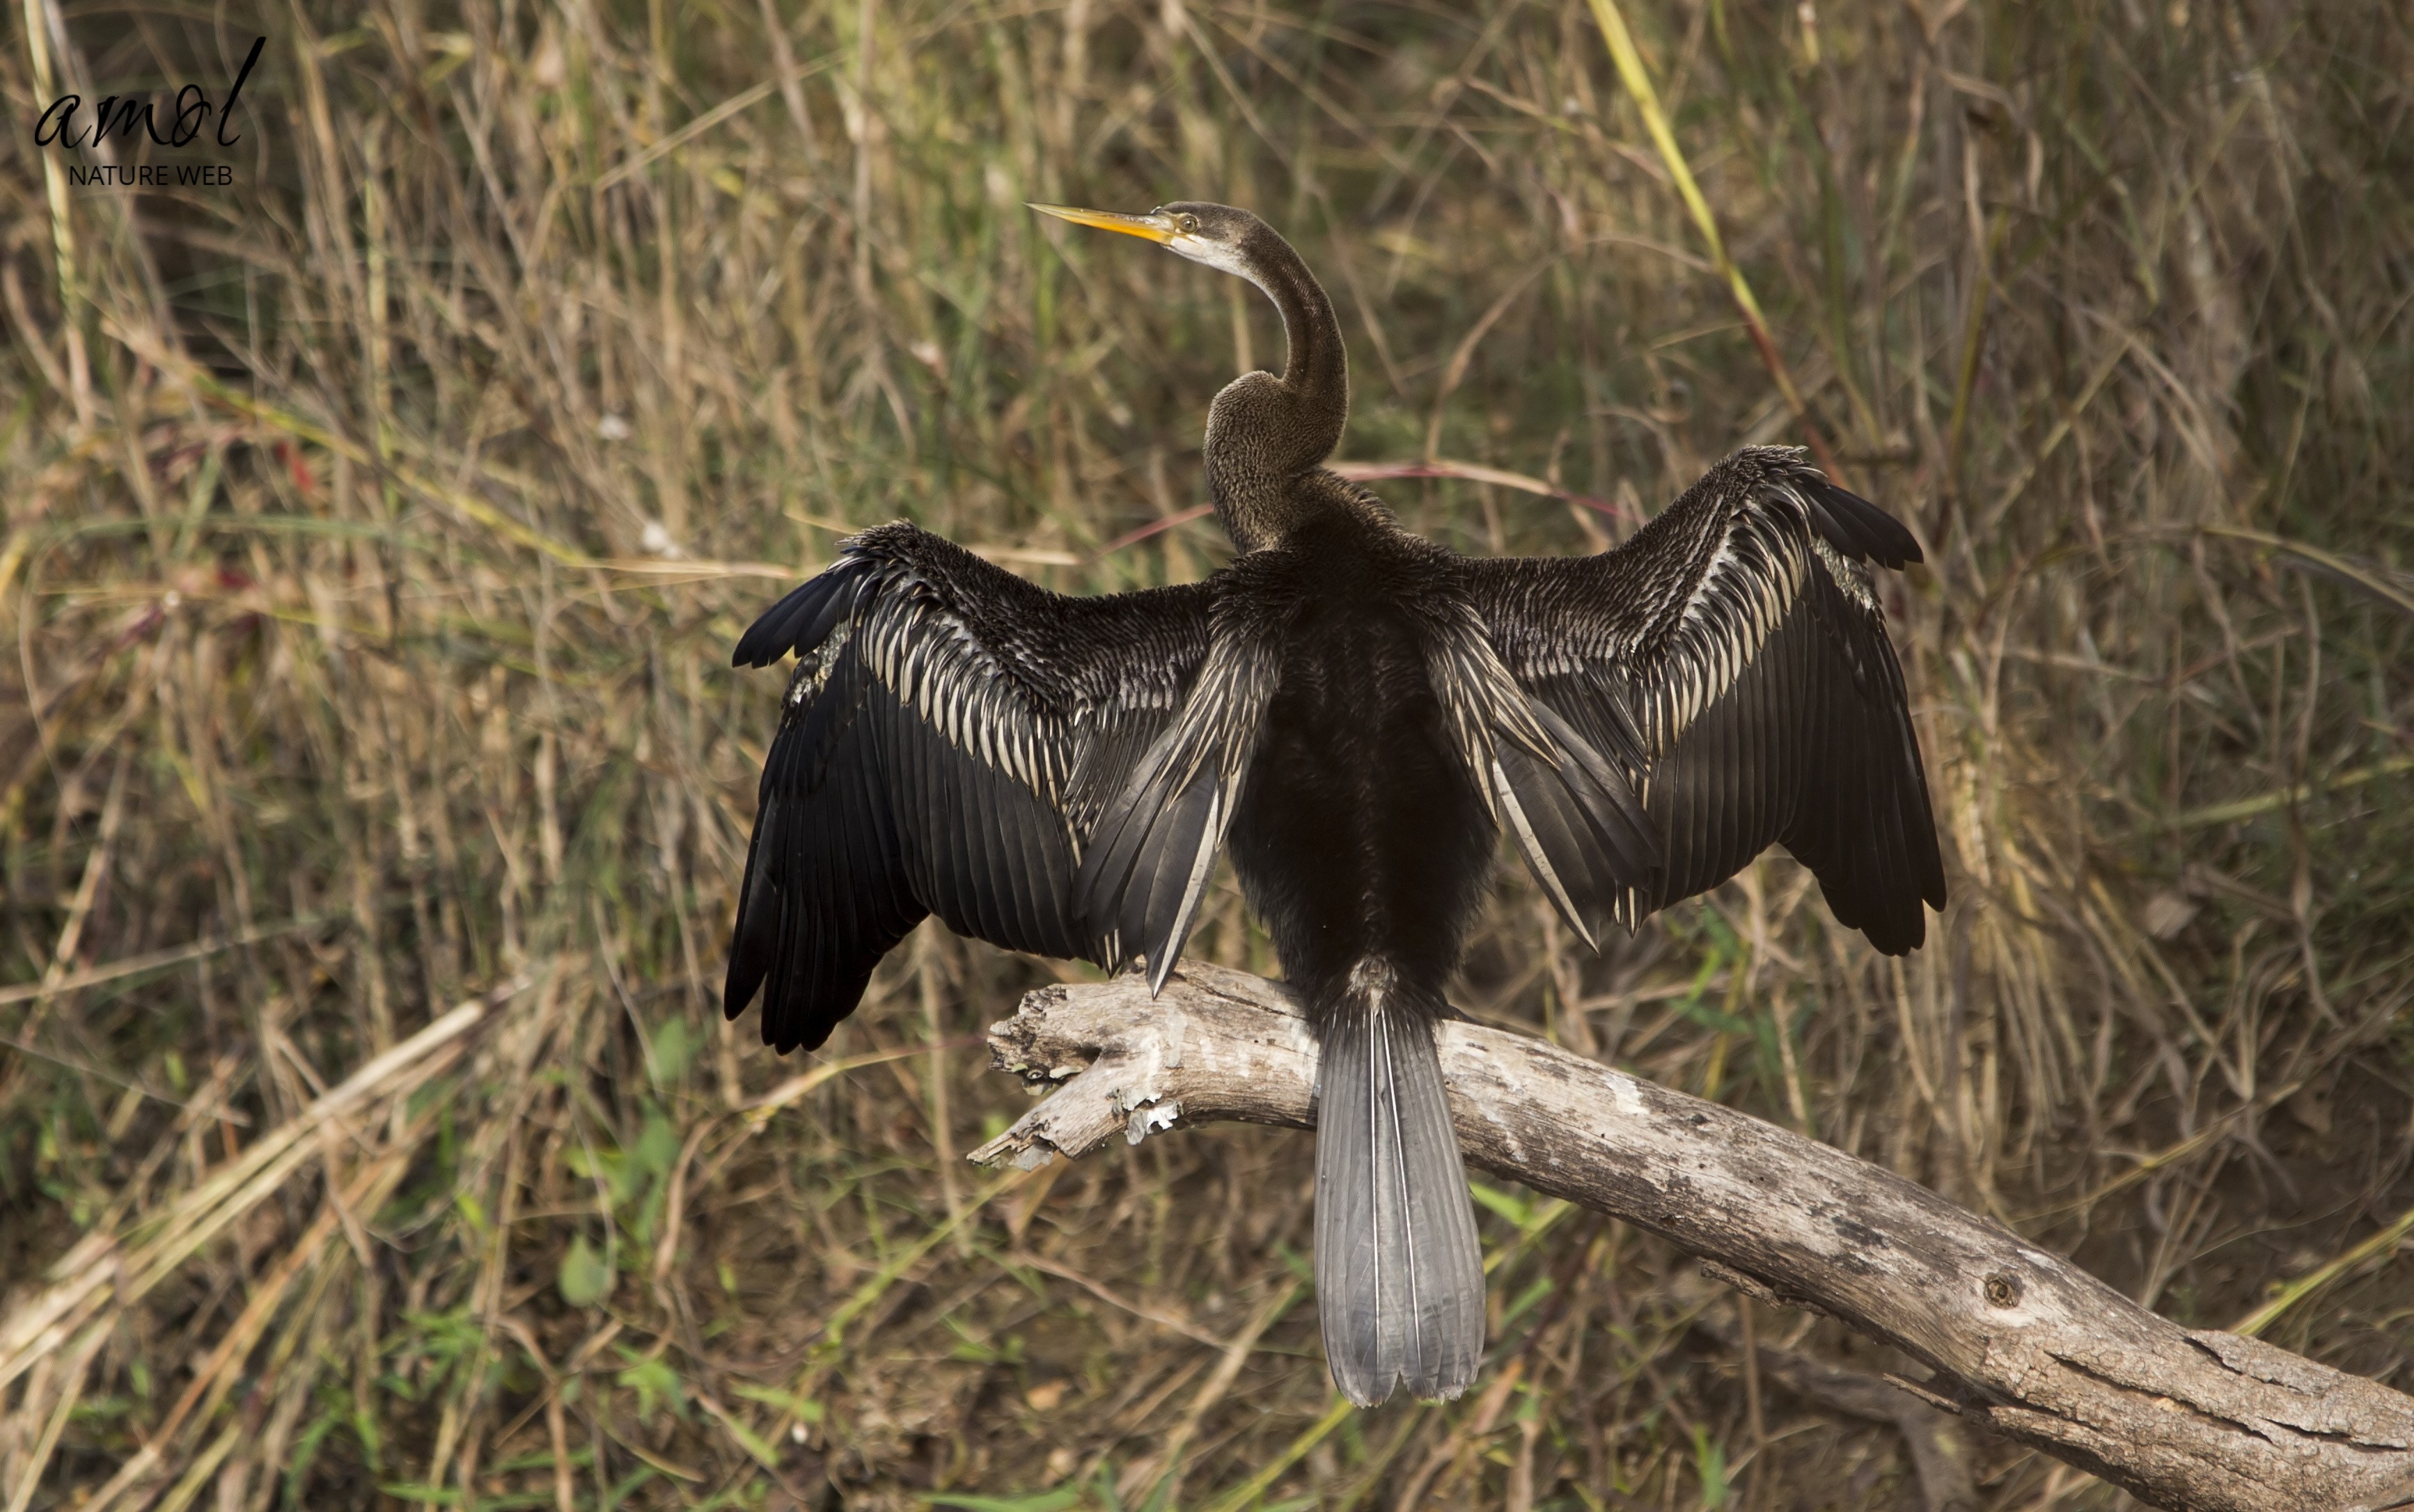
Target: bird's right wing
(950,739)
(1734,656)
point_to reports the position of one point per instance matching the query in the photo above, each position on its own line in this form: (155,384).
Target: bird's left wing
(1735,653)
(950,737)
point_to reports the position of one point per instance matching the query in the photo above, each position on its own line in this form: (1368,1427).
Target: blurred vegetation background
(373,781)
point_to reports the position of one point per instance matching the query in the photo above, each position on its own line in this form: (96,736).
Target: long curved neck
(1315,370)
(1264,432)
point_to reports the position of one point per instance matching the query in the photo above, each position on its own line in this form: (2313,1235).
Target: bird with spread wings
(1352,715)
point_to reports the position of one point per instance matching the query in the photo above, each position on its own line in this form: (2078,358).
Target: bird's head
(1231,240)
(1263,432)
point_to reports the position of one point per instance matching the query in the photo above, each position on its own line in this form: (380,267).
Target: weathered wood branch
(2022,1342)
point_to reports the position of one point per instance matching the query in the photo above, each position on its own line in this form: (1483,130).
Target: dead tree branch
(2022,1343)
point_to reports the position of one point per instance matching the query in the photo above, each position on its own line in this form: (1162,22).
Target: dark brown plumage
(1355,713)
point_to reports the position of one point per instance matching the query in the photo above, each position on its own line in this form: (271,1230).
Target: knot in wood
(2003,1289)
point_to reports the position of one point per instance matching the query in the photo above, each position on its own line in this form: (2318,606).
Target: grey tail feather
(1399,1273)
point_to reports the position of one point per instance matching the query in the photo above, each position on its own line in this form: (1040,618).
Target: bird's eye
(1187,223)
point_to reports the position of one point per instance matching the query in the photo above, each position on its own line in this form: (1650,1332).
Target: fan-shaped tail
(1399,1274)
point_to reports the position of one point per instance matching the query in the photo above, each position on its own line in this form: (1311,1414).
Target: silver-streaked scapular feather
(1573,813)
(950,739)
(1154,843)
(1737,639)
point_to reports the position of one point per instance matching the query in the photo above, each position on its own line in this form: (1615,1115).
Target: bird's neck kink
(1316,371)
(1264,433)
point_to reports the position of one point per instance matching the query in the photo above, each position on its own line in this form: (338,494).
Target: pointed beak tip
(1148,227)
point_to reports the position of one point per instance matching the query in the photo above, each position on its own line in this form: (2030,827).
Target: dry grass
(376,530)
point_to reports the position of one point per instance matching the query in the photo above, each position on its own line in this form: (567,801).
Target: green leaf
(585,1276)
(656,1146)
(978,1351)
(1710,1465)
(1055,1501)
(753,1443)
(1526,1299)
(654,1382)
(675,1047)
(1501,1202)
(803,1409)
(609,1163)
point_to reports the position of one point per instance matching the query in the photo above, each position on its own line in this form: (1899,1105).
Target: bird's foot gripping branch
(2020,1342)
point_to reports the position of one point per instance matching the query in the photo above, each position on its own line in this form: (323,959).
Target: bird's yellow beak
(1159,229)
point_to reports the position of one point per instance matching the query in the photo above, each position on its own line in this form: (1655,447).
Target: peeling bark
(2022,1343)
